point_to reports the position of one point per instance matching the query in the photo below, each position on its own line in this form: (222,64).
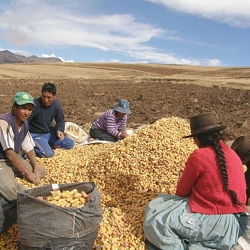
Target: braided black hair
(213,140)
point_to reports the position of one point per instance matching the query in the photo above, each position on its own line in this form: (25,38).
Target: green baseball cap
(22,98)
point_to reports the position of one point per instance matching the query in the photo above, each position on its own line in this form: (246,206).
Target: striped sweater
(111,123)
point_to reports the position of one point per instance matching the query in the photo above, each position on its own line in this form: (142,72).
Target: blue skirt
(169,224)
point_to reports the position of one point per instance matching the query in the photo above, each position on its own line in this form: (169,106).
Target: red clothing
(202,181)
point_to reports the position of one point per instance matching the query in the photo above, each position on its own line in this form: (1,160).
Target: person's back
(203,182)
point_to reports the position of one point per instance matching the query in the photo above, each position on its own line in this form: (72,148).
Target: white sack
(76,133)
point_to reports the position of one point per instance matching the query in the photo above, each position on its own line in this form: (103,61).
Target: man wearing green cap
(14,139)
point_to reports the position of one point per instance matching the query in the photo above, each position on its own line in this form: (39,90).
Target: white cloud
(53,55)
(40,24)
(148,55)
(233,12)
(213,62)
(47,56)
(60,24)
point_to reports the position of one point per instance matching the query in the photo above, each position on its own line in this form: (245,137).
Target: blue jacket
(42,117)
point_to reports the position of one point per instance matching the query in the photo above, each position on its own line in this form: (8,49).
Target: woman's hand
(123,135)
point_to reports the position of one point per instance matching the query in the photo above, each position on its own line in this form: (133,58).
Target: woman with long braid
(208,210)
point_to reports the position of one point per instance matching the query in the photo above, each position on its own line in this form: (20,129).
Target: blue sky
(190,32)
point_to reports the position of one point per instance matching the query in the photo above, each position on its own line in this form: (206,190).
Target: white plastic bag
(76,133)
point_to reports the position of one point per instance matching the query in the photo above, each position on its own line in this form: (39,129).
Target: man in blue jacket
(48,110)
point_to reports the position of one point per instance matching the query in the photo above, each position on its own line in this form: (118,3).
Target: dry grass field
(131,172)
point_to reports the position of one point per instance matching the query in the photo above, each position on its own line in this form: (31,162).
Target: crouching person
(14,138)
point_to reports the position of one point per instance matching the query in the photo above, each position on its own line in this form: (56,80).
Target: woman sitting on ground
(111,125)
(208,210)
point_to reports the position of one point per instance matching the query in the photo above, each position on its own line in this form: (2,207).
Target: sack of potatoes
(59,216)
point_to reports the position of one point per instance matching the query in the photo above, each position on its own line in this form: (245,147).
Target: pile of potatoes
(128,173)
(66,198)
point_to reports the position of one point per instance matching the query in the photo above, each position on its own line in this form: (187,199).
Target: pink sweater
(202,181)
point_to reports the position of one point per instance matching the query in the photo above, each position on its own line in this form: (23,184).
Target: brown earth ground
(154,91)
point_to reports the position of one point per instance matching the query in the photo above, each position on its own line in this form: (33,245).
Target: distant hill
(8,57)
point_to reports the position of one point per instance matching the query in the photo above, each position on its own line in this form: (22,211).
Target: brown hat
(203,124)
(242,148)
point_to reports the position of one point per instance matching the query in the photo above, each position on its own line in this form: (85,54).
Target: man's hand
(60,135)
(32,177)
(37,172)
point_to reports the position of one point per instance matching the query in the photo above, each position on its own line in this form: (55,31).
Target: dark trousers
(101,135)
